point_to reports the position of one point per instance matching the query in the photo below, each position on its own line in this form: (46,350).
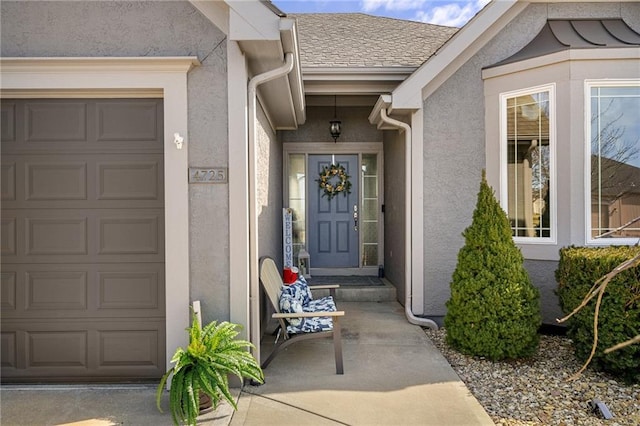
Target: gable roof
(458,50)
(563,34)
(359,40)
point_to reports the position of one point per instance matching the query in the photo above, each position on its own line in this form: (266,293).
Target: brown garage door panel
(8,234)
(7,180)
(82,292)
(60,350)
(82,181)
(102,125)
(8,121)
(134,290)
(82,236)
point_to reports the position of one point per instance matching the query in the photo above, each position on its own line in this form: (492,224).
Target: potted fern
(201,372)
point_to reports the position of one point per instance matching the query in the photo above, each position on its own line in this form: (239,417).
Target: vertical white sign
(287,237)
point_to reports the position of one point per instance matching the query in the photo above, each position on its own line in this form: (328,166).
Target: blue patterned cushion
(290,305)
(291,302)
(299,291)
(325,304)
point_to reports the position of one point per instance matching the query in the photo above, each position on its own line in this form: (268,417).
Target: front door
(333,227)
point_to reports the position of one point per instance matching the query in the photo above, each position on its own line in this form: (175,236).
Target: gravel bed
(537,391)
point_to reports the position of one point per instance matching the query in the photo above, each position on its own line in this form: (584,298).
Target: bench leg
(297,337)
(280,347)
(337,345)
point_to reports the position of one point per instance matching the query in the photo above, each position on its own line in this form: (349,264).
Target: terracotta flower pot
(205,402)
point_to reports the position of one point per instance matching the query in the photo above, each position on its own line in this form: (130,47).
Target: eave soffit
(264,35)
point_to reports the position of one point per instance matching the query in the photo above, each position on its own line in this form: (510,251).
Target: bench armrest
(331,287)
(323,286)
(309,314)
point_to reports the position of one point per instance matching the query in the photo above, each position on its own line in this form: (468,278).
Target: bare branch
(595,289)
(623,344)
(602,283)
(626,225)
(598,289)
(595,334)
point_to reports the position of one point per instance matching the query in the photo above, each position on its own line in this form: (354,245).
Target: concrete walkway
(393,376)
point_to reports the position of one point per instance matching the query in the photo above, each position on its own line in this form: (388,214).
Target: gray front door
(333,234)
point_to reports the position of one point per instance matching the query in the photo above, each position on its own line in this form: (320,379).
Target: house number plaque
(208,175)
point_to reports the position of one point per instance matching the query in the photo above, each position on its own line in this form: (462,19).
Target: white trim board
(358,148)
(455,53)
(588,84)
(503,189)
(108,77)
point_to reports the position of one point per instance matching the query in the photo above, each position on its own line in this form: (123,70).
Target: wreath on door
(334,180)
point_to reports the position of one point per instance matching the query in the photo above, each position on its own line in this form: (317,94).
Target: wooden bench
(272,284)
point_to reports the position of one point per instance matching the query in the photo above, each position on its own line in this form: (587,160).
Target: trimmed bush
(619,318)
(494,310)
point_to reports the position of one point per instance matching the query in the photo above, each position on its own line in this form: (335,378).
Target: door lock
(355,217)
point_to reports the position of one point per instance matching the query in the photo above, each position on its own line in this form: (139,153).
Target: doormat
(346,280)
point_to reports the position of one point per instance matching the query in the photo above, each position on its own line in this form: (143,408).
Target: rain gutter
(254,290)
(424,322)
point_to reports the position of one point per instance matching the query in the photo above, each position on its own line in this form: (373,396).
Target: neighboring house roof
(617,178)
(358,40)
(562,34)
(527,121)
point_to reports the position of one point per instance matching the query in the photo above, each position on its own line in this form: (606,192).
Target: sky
(452,13)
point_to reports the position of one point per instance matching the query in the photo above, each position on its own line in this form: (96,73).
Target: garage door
(82,240)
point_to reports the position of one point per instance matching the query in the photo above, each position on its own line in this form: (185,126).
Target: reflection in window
(297,200)
(615,159)
(529,195)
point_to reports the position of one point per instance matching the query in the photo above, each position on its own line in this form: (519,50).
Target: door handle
(355,217)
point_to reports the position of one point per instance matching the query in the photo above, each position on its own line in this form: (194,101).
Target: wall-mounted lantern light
(335,125)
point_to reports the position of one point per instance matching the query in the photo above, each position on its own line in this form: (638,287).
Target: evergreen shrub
(619,319)
(494,309)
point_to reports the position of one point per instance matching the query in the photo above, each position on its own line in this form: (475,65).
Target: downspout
(408,289)
(254,290)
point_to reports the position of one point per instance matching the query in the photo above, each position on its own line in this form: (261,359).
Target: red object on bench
(290,275)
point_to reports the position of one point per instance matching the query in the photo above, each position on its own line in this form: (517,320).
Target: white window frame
(588,85)
(553,199)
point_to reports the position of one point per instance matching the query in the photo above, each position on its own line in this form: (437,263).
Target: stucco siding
(394,211)
(542,273)
(355,126)
(268,201)
(138,29)
(105,28)
(269,189)
(453,160)
(457,149)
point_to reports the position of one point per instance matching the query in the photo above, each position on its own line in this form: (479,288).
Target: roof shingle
(360,40)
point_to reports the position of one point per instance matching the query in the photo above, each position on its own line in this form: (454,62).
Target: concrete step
(361,293)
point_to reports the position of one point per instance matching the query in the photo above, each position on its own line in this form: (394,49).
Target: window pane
(370,210)
(615,91)
(528,165)
(369,214)
(615,160)
(370,255)
(296,181)
(370,186)
(369,232)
